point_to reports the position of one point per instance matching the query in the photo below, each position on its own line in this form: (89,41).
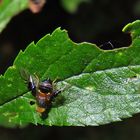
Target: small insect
(36,5)
(43,91)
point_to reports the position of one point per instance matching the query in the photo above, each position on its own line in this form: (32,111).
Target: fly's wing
(33,84)
(32,81)
(27,77)
(35,80)
(24,74)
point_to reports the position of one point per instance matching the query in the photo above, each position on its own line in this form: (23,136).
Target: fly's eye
(45,89)
(45,86)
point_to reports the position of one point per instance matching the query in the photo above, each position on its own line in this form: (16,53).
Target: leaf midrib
(66,80)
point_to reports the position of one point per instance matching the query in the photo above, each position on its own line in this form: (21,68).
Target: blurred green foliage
(8,9)
(72,5)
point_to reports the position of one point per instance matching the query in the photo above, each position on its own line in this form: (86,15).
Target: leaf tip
(59,30)
(133,28)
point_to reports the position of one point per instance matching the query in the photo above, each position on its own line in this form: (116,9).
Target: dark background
(97,22)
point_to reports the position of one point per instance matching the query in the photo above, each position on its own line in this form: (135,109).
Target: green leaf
(10,8)
(100,86)
(72,5)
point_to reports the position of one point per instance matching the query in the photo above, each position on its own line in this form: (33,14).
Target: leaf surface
(100,86)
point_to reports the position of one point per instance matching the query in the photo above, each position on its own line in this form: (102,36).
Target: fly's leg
(56,92)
